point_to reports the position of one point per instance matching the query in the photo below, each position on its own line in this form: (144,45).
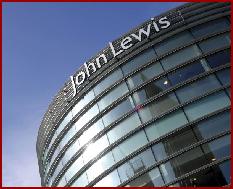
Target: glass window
(214,176)
(183,164)
(151,90)
(91,132)
(186,73)
(224,174)
(93,149)
(71,151)
(110,180)
(118,111)
(108,81)
(56,171)
(198,88)
(173,144)
(138,61)
(158,107)
(65,121)
(207,105)
(229,91)
(112,96)
(62,182)
(129,145)
(135,165)
(218,59)
(173,42)
(150,179)
(83,102)
(71,132)
(180,57)
(123,128)
(100,166)
(163,126)
(224,76)
(81,181)
(144,75)
(86,117)
(217,149)
(216,42)
(55,154)
(74,168)
(209,28)
(213,126)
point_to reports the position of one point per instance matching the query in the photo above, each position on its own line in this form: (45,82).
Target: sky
(43,44)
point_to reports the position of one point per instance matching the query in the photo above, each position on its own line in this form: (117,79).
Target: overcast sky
(43,44)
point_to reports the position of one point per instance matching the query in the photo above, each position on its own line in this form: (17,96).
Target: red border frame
(5,1)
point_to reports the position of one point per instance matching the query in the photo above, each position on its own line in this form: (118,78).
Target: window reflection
(218,59)
(81,181)
(110,180)
(144,75)
(224,76)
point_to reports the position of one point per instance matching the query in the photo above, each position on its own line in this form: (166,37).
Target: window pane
(216,42)
(207,105)
(112,96)
(64,123)
(214,176)
(224,76)
(150,179)
(91,132)
(129,145)
(81,181)
(93,149)
(165,125)
(71,132)
(138,61)
(62,182)
(71,151)
(183,164)
(217,149)
(100,166)
(158,107)
(213,126)
(86,117)
(198,88)
(173,144)
(123,128)
(136,164)
(143,76)
(110,180)
(173,42)
(108,81)
(186,73)
(211,27)
(118,111)
(180,57)
(83,102)
(151,90)
(218,59)
(74,168)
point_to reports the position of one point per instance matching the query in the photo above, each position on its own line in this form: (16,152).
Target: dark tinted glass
(213,126)
(218,59)
(173,144)
(198,88)
(211,27)
(150,90)
(186,72)
(216,42)
(224,76)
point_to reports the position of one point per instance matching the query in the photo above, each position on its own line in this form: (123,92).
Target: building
(151,109)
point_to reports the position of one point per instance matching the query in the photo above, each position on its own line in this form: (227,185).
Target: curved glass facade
(160,117)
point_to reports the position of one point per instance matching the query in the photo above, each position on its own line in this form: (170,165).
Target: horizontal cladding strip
(136,71)
(176,154)
(210,165)
(200,76)
(129,113)
(110,147)
(158,59)
(118,101)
